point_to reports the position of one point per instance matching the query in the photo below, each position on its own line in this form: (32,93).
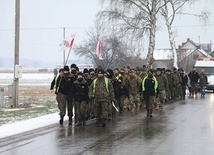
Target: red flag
(67,43)
(72,40)
(99,48)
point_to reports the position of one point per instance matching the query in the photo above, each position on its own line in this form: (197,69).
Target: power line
(45,28)
(79,27)
(210,25)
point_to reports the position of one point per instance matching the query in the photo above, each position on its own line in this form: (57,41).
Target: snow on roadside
(27,125)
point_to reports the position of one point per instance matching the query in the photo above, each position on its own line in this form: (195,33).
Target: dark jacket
(122,90)
(194,76)
(65,84)
(80,91)
(203,79)
(149,86)
(184,79)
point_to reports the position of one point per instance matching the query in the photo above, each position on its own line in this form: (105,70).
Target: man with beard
(101,90)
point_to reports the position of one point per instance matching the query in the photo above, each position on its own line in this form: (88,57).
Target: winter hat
(110,71)
(85,70)
(158,69)
(100,71)
(73,65)
(174,69)
(168,70)
(61,70)
(80,73)
(66,68)
(91,70)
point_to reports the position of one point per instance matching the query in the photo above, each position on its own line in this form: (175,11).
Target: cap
(100,71)
(85,70)
(168,70)
(61,70)
(158,69)
(91,70)
(80,73)
(73,65)
(66,68)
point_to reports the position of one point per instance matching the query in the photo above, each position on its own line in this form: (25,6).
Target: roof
(204,53)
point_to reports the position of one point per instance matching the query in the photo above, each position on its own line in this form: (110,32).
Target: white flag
(67,43)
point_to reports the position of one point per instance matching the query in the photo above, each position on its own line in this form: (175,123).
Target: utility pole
(16,55)
(64,50)
(199,39)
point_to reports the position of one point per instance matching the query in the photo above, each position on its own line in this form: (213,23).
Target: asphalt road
(185,127)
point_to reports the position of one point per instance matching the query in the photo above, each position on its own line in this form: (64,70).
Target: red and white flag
(99,49)
(67,43)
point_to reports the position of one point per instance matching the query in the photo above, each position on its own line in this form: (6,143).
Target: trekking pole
(114,106)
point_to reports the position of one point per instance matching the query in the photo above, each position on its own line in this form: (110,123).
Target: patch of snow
(27,125)
(14,109)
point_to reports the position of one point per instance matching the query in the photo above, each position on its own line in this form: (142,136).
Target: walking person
(202,82)
(80,91)
(133,85)
(170,92)
(62,87)
(162,88)
(184,81)
(149,88)
(194,77)
(101,90)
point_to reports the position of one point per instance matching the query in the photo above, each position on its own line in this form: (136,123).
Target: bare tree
(136,16)
(115,53)
(169,12)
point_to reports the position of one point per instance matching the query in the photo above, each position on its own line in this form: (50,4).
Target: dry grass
(34,101)
(29,94)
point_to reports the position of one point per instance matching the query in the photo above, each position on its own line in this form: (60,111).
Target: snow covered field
(38,104)
(27,79)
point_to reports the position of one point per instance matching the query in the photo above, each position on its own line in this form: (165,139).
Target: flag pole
(71,44)
(68,56)
(98,50)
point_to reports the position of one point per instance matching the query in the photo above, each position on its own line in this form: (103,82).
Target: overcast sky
(42,23)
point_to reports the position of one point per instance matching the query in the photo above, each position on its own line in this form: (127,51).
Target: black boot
(99,122)
(121,110)
(92,115)
(109,117)
(70,120)
(147,113)
(79,122)
(151,113)
(84,121)
(61,120)
(103,122)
